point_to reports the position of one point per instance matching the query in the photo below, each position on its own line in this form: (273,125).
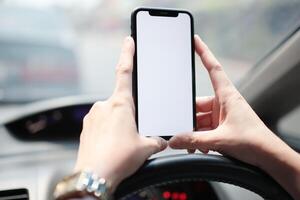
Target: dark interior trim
(272,88)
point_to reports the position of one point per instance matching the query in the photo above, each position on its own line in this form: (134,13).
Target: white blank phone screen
(164,74)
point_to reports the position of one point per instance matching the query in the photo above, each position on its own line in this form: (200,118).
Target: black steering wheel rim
(201,167)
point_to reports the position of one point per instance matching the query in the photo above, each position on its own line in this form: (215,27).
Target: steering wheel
(183,167)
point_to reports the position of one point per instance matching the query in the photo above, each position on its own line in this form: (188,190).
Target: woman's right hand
(227,124)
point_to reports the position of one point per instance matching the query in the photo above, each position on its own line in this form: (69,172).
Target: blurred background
(55,48)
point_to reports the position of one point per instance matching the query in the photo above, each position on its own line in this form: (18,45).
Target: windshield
(56,48)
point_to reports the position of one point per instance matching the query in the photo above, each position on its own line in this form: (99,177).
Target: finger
(221,84)
(125,66)
(204,151)
(204,104)
(204,120)
(154,145)
(191,151)
(204,141)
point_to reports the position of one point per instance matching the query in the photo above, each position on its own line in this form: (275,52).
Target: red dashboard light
(175,195)
(182,196)
(166,195)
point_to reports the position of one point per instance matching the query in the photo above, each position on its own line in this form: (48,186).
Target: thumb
(154,145)
(202,140)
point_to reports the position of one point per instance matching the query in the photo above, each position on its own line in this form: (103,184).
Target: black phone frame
(166,13)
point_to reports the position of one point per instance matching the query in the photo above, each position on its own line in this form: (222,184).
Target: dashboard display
(55,124)
(193,190)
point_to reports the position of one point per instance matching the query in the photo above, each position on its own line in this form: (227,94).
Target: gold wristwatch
(82,184)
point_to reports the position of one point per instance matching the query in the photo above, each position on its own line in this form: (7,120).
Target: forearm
(283,164)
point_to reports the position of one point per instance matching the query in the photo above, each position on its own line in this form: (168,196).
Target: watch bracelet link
(82,184)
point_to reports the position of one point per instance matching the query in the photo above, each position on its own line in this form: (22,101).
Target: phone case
(160,12)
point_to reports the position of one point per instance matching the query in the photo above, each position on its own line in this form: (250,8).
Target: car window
(55,48)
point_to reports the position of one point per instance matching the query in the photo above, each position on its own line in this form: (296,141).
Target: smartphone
(164,71)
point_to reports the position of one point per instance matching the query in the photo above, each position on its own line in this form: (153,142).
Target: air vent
(15,194)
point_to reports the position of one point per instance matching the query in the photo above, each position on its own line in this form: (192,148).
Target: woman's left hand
(110,145)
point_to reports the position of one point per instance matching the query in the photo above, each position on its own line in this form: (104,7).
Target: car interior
(57,58)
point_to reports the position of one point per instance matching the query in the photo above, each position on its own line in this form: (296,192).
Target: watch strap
(82,184)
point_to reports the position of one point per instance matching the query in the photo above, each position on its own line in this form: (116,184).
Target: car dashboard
(39,144)
(178,191)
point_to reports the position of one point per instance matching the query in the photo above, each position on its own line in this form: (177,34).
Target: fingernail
(198,37)
(127,39)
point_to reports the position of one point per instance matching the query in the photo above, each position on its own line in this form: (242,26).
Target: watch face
(83,181)
(82,184)
(99,187)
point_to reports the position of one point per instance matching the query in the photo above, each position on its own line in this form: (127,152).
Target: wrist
(282,163)
(104,172)
(275,154)
(268,148)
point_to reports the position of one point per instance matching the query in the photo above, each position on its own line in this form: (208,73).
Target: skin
(111,147)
